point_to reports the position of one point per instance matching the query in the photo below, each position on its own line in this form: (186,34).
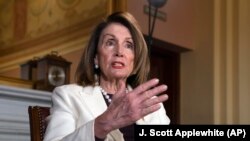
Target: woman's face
(115,53)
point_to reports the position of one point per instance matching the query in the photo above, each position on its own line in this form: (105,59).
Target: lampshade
(157,3)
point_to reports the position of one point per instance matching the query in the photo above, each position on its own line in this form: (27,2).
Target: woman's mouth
(117,65)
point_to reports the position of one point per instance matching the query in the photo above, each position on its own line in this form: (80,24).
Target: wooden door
(165,65)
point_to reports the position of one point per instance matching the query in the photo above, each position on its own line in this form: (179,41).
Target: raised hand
(127,108)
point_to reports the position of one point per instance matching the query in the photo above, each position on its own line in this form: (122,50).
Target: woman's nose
(119,51)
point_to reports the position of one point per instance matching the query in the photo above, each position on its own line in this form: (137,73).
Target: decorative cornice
(16,82)
(116,5)
(63,37)
(62,41)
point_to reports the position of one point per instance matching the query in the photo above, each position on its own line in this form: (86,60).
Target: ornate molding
(68,37)
(16,82)
(64,41)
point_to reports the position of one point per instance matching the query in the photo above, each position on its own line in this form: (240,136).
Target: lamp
(156,4)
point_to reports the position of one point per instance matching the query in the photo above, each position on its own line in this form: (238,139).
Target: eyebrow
(107,34)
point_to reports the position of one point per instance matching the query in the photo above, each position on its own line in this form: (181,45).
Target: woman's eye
(130,45)
(110,43)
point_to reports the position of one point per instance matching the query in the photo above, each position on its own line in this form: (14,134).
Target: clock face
(56,75)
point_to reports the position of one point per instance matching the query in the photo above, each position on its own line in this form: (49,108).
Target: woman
(112,92)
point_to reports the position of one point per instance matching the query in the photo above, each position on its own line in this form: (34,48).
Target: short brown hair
(85,71)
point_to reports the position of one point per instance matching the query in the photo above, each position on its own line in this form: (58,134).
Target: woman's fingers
(145,86)
(148,95)
(151,109)
(153,92)
(143,100)
(152,104)
(148,90)
(155,100)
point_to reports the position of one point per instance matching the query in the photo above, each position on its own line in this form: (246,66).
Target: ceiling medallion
(67,4)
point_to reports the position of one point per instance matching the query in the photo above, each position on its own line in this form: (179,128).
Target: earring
(96,80)
(96,76)
(96,66)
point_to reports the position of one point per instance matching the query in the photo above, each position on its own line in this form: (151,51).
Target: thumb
(121,87)
(121,90)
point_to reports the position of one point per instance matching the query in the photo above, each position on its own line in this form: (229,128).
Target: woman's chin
(120,76)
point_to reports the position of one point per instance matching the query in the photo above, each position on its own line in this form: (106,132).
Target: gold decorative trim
(16,82)
(58,41)
(64,41)
(65,5)
(116,5)
(38,7)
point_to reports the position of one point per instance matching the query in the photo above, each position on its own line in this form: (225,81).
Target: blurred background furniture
(37,120)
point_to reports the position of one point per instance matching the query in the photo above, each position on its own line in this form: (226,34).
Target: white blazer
(74,109)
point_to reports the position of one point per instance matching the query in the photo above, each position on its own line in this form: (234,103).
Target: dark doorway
(165,65)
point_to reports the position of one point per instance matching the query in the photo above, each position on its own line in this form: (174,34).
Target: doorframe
(166,48)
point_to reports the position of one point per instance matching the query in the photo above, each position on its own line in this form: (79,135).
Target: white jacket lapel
(93,98)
